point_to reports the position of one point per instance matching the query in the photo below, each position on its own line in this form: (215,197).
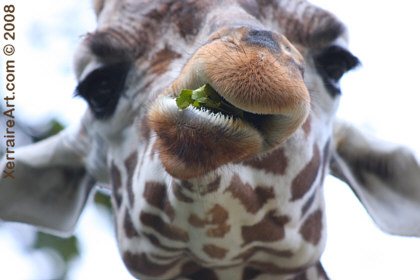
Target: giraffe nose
(257,71)
(262,38)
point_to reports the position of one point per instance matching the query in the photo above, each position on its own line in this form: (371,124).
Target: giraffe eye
(332,63)
(102,89)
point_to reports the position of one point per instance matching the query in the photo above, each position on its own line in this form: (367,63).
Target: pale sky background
(382,96)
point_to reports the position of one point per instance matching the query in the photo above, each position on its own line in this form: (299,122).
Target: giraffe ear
(385,177)
(98,5)
(45,184)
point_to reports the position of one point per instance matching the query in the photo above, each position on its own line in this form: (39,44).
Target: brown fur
(159,225)
(214,251)
(156,195)
(116,184)
(177,190)
(302,183)
(155,241)
(161,60)
(196,272)
(252,199)
(142,263)
(275,162)
(130,230)
(270,228)
(311,229)
(130,165)
(217,217)
(255,249)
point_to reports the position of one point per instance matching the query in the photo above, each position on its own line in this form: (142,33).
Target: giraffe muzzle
(256,71)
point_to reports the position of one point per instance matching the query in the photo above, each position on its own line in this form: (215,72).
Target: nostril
(262,38)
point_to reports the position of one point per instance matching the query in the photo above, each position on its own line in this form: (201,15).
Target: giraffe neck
(250,212)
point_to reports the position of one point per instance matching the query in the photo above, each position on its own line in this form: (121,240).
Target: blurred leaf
(103,199)
(54,127)
(67,248)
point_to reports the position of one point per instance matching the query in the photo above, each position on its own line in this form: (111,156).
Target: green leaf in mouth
(205,96)
(185,99)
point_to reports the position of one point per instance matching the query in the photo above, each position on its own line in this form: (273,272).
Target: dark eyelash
(332,63)
(102,89)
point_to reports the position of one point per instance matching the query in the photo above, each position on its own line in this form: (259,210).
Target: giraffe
(204,195)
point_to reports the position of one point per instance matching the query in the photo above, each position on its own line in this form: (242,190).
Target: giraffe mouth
(207,99)
(233,118)
(228,110)
(194,141)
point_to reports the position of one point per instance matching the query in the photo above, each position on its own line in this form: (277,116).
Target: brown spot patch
(116,184)
(204,273)
(187,185)
(219,231)
(162,257)
(304,180)
(193,271)
(129,229)
(169,231)
(189,267)
(196,221)
(271,268)
(214,251)
(155,194)
(217,216)
(308,204)
(188,16)
(269,229)
(311,228)
(162,59)
(177,190)
(251,251)
(250,273)
(252,199)
(155,241)
(212,186)
(275,162)
(130,165)
(142,264)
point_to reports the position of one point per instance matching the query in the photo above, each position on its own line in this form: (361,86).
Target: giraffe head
(279,64)
(242,49)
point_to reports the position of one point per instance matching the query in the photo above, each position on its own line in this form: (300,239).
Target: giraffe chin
(193,142)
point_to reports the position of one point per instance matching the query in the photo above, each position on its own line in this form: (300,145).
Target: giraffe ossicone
(203,194)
